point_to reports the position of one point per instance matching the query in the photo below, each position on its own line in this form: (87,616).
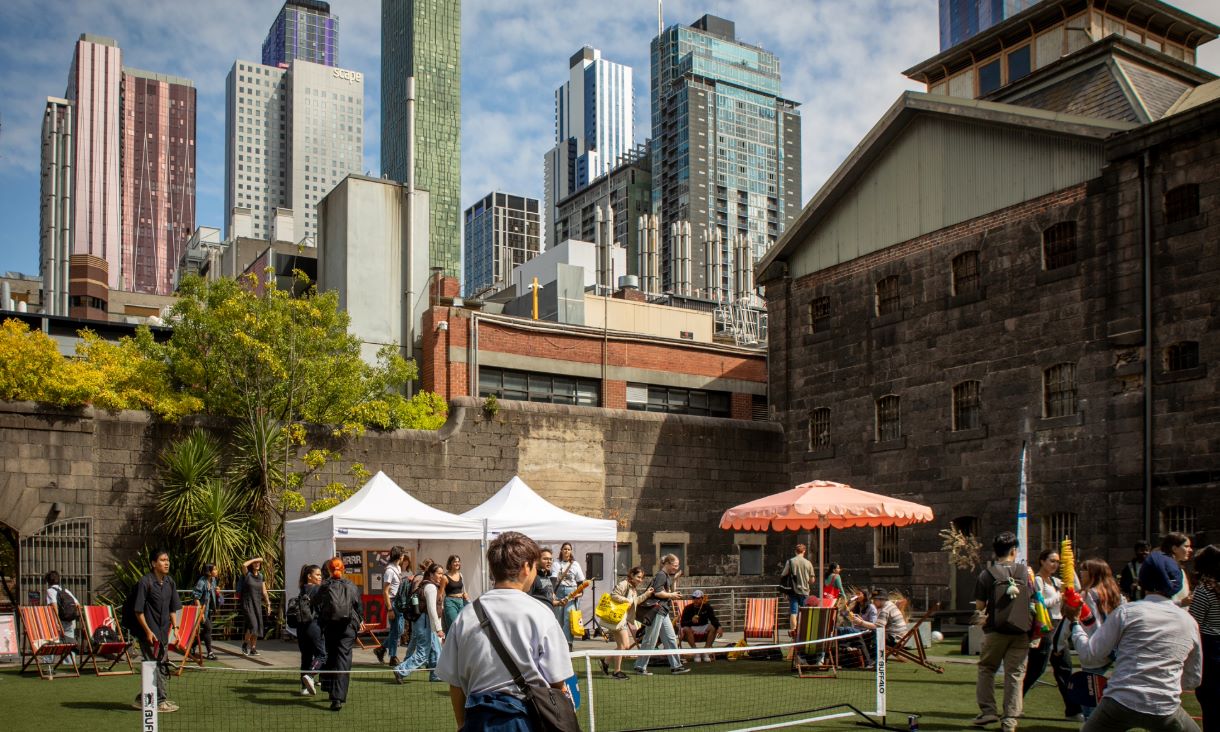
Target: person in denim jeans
(801,571)
(427,631)
(391,582)
(660,627)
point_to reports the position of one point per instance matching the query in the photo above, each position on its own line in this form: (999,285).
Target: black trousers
(312,647)
(340,637)
(1061,667)
(205,634)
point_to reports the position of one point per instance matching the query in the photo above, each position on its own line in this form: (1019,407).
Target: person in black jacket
(699,623)
(309,633)
(337,604)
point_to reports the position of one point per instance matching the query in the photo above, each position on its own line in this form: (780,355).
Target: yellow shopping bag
(609,610)
(577,623)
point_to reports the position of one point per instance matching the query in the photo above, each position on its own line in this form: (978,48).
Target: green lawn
(265,701)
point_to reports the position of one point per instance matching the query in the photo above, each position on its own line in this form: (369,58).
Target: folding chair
(183,639)
(43,643)
(762,619)
(370,630)
(918,654)
(114,651)
(816,660)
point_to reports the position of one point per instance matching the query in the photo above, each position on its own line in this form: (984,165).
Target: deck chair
(43,643)
(762,615)
(370,630)
(816,660)
(184,639)
(95,617)
(918,654)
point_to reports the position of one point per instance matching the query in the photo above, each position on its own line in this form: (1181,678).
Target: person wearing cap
(1157,653)
(699,623)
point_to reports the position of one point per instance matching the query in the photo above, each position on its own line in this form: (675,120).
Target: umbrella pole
(821,560)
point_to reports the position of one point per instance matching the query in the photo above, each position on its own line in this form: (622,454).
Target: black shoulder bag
(552,709)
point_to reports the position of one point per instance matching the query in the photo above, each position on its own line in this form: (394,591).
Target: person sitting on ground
(699,623)
(1157,653)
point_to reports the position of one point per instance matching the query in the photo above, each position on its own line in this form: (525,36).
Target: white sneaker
(696,658)
(707,658)
(309,689)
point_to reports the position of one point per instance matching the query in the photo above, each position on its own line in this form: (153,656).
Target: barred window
(819,428)
(1059,245)
(1182,203)
(819,308)
(967,409)
(966,273)
(889,422)
(1181,519)
(1057,526)
(1059,390)
(888,299)
(1182,356)
(885,546)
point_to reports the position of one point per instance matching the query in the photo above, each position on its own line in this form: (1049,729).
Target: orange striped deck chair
(762,615)
(816,660)
(184,638)
(99,651)
(43,644)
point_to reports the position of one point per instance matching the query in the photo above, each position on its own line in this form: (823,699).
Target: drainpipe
(1145,214)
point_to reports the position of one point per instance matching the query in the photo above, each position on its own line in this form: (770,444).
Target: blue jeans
(661,628)
(424,650)
(561,612)
(496,713)
(394,629)
(795,603)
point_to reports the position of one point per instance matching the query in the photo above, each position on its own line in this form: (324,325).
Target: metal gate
(65,546)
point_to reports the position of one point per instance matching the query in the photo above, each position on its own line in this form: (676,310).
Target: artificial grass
(265,701)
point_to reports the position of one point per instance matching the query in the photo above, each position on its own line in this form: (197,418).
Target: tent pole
(483,556)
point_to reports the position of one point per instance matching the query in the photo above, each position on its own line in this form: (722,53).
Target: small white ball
(937,636)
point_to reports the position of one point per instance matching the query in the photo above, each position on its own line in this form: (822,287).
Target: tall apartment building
(594,128)
(626,191)
(304,29)
(961,19)
(55,205)
(423,38)
(291,134)
(502,231)
(157,152)
(726,152)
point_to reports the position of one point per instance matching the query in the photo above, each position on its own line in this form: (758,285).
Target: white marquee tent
(516,507)
(378,516)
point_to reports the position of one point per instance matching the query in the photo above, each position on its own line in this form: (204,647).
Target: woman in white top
(567,574)
(427,632)
(623,632)
(1052,646)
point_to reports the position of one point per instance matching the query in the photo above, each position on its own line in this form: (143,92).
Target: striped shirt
(1205,608)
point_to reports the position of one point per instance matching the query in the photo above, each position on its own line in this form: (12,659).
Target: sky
(840,59)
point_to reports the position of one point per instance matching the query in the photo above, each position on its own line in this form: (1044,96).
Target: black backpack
(68,609)
(105,634)
(413,602)
(336,601)
(299,611)
(1010,611)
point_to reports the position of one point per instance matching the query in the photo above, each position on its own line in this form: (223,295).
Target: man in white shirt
(391,579)
(480,687)
(1157,653)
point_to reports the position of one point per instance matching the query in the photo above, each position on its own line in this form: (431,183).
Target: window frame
(1180,518)
(1182,356)
(819,426)
(1059,246)
(1181,203)
(887,418)
(887,303)
(819,309)
(1055,393)
(1055,525)
(886,553)
(967,260)
(967,395)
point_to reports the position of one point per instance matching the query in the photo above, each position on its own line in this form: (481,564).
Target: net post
(879,635)
(589,693)
(148,696)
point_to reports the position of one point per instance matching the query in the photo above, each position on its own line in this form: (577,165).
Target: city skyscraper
(961,19)
(304,29)
(502,231)
(55,205)
(726,154)
(158,172)
(290,136)
(594,128)
(423,38)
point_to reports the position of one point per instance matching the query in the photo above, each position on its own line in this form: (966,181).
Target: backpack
(335,601)
(401,600)
(68,609)
(105,634)
(413,604)
(1010,608)
(299,611)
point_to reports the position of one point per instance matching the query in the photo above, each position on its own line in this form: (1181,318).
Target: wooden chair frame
(764,608)
(94,617)
(919,654)
(371,630)
(816,624)
(184,638)
(42,642)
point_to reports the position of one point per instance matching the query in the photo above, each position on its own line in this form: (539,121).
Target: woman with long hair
(427,632)
(454,588)
(568,575)
(254,598)
(1178,547)
(1205,609)
(623,632)
(207,597)
(833,588)
(1102,596)
(1053,646)
(309,634)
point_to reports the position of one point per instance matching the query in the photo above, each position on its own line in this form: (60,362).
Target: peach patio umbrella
(822,504)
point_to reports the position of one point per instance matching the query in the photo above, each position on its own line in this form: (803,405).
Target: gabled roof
(891,126)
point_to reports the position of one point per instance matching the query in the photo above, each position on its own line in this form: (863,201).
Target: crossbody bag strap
(494,637)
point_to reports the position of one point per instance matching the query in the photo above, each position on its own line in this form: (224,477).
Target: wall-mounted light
(443,325)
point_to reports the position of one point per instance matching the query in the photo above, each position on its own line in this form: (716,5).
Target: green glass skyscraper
(423,38)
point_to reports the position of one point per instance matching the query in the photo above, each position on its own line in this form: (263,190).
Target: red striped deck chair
(762,614)
(99,651)
(816,660)
(43,644)
(183,639)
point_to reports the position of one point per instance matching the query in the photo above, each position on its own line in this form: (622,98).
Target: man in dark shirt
(699,623)
(660,628)
(1129,579)
(156,601)
(543,590)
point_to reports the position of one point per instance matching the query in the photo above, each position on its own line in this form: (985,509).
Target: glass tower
(502,232)
(304,30)
(961,19)
(726,153)
(423,38)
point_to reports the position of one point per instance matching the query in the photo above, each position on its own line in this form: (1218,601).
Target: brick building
(972,280)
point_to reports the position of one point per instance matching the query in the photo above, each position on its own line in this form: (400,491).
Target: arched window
(967,408)
(888,298)
(1059,390)
(1181,203)
(889,422)
(1059,245)
(1182,355)
(966,273)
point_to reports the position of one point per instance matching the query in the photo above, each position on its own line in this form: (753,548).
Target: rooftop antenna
(660,21)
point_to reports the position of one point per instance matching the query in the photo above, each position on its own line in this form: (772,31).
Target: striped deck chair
(816,660)
(43,643)
(184,639)
(762,614)
(910,646)
(96,617)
